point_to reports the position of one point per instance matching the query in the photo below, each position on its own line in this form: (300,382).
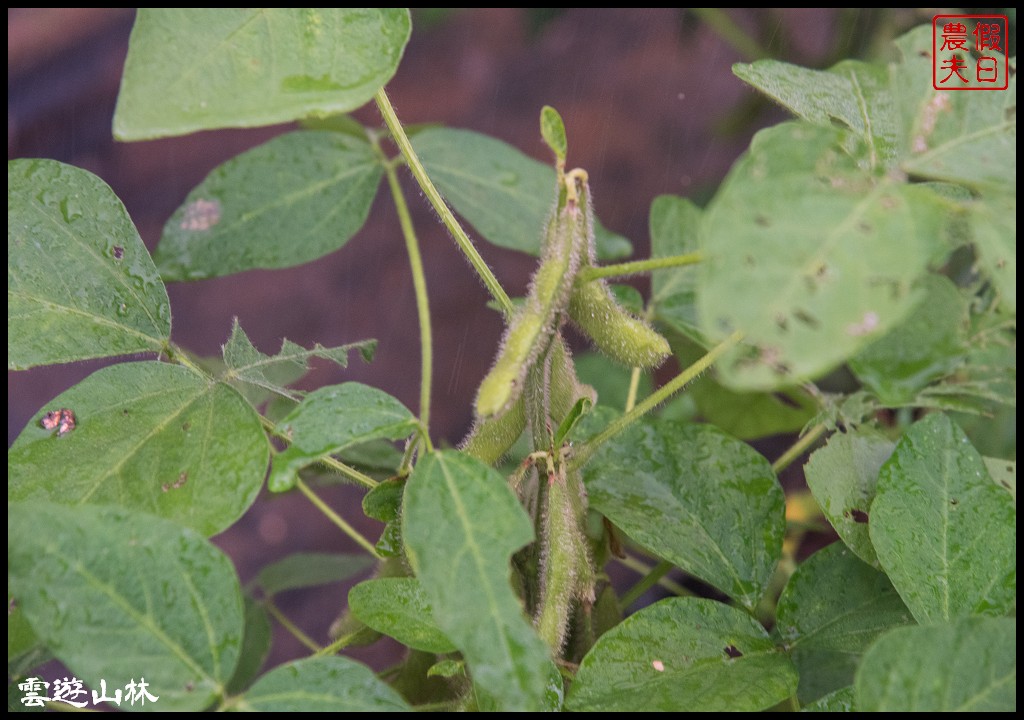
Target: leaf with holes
(169,597)
(683,654)
(801,256)
(194,69)
(147,436)
(842,477)
(80,283)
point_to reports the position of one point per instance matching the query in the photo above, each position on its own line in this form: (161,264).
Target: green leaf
(398,607)
(506,195)
(194,69)
(1004,474)
(333,418)
(25,650)
(291,200)
(148,436)
(968,666)
(994,221)
(166,598)
(247,364)
(799,256)
(839,701)
(461,524)
(833,607)
(323,684)
(854,93)
(255,646)
(842,477)
(683,654)
(301,570)
(944,531)
(962,137)
(80,283)
(674,226)
(929,344)
(552,129)
(696,497)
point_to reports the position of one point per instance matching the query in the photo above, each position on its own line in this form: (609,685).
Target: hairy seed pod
(618,334)
(492,437)
(566,388)
(530,331)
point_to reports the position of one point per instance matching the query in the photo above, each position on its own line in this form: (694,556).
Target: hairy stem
(435,199)
(798,448)
(585,451)
(636,267)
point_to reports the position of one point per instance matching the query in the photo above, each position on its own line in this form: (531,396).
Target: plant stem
(732,33)
(636,267)
(645,584)
(643,569)
(337,519)
(419,282)
(583,453)
(435,199)
(291,627)
(798,448)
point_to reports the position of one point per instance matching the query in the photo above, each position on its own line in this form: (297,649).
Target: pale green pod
(492,437)
(618,334)
(566,389)
(530,331)
(567,575)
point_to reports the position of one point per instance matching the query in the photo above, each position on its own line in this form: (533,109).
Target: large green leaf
(833,607)
(398,607)
(967,666)
(854,93)
(323,684)
(80,283)
(291,200)
(961,137)
(461,524)
(506,195)
(842,476)
(333,418)
(945,533)
(121,595)
(194,69)
(697,497)
(683,654)
(674,226)
(929,344)
(809,256)
(148,436)
(994,221)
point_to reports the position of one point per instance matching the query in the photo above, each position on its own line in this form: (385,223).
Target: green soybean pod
(618,334)
(492,437)
(530,331)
